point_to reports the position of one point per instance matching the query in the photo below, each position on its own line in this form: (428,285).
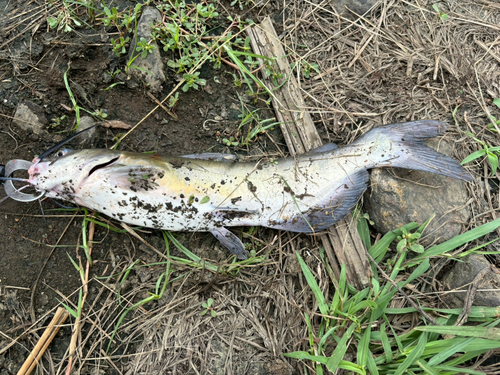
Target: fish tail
(411,152)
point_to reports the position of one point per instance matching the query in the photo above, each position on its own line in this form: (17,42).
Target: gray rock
(357,6)
(463,273)
(399,196)
(86,138)
(30,116)
(151,68)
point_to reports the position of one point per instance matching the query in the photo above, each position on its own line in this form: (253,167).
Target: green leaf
(210,266)
(320,298)
(386,343)
(479,312)
(401,245)
(72,312)
(496,101)
(492,333)
(205,199)
(344,365)
(473,156)
(426,367)
(456,370)
(493,159)
(375,286)
(340,350)
(372,366)
(53,22)
(448,352)
(417,248)
(456,241)
(378,250)
(363,347)
(413,355)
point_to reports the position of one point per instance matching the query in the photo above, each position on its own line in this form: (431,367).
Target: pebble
(30,116)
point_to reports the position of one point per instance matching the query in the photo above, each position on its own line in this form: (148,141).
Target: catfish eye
(62,152)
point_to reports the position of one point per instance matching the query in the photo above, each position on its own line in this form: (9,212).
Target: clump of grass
(358,322)
(488,152)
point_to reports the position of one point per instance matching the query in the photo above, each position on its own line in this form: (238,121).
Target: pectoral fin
(229,240)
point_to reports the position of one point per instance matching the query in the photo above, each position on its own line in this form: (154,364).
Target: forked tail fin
(408,140)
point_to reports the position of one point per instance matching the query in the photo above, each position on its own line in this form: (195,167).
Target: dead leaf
(115,124)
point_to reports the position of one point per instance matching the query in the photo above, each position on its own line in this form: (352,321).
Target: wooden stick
(342,242)
(48,335)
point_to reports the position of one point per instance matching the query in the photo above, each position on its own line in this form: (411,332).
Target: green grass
(358,322)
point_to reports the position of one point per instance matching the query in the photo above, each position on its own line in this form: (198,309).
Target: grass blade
(491,333)
(339,352)
(363,347)
(414,355)
(456,242)
(189,254)
(320,298)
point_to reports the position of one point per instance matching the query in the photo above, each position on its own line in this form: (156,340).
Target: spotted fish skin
(195,193)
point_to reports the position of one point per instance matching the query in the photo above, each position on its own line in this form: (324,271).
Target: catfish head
(61,174)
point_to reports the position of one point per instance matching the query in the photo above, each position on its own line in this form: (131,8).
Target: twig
(172,114)
(471,294)
(48,335)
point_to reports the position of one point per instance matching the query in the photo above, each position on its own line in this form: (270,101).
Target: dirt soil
(398,63)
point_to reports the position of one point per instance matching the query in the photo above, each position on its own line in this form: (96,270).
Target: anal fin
(231,241)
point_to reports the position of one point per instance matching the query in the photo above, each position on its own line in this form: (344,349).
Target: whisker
(14,179)
(61,205)
(43,213)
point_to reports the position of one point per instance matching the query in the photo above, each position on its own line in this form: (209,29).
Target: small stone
(208,89)
(30,116)
(357,6)
(224,113)
(85,123)
(150,68)
(463,273)
(399,196)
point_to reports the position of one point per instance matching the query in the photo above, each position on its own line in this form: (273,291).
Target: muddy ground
(416,67)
